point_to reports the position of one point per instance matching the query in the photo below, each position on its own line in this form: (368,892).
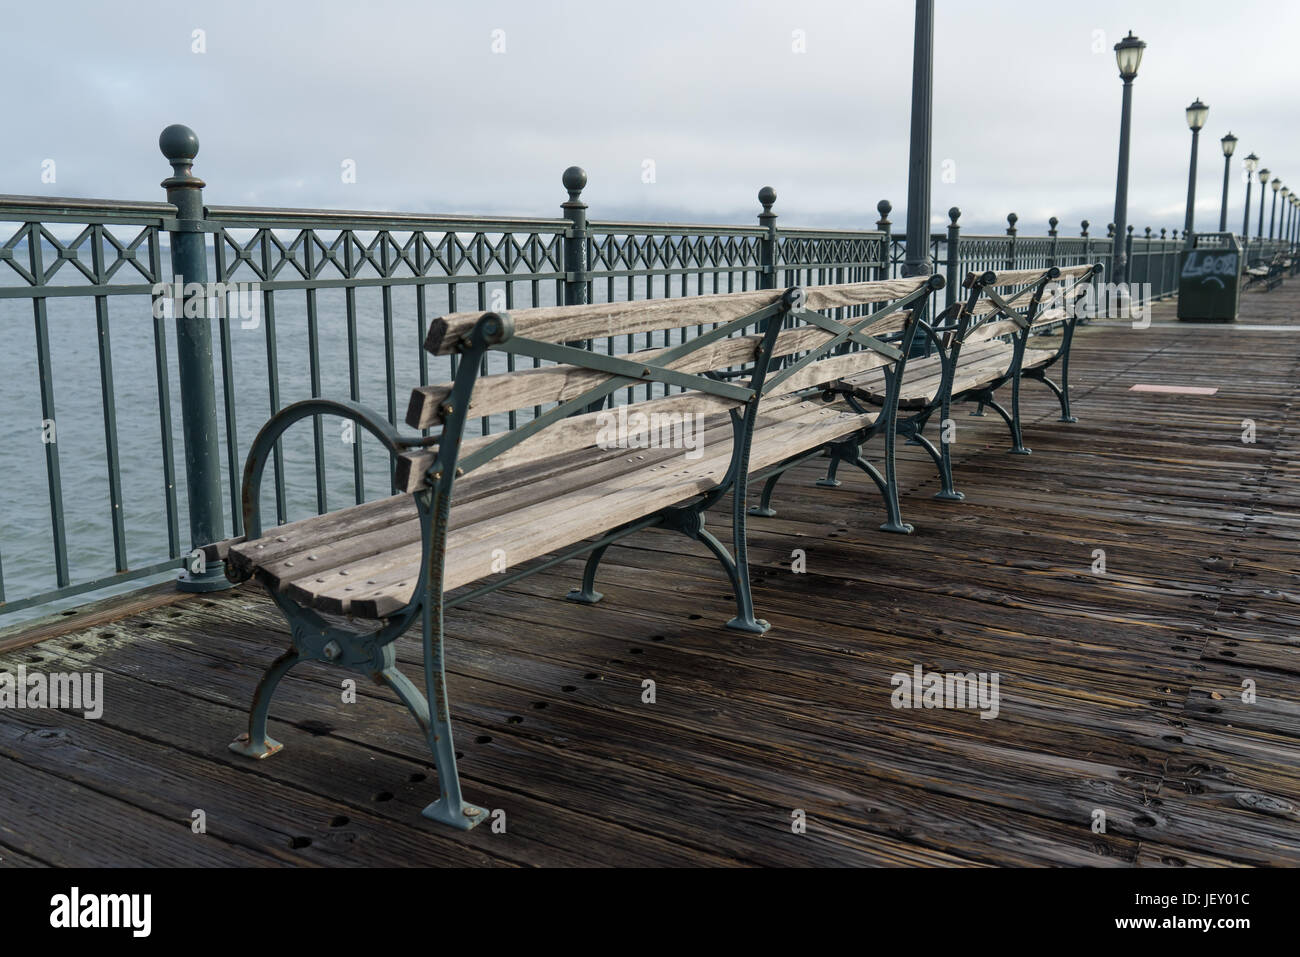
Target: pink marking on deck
(1177,389)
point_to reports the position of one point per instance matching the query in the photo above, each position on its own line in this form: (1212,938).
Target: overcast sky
(438,117)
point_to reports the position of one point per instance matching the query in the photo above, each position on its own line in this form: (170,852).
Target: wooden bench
(1269,274)
(472,510)
(987,340)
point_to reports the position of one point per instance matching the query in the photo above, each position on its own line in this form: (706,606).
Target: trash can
(1209,278)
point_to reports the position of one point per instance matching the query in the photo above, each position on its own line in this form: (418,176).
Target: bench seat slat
(540,517)
(981,365)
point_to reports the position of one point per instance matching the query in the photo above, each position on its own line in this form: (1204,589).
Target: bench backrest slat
(720,369)
(601,320)
(503,392)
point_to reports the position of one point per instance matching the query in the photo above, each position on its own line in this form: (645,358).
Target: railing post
(953,255)
(1128,259)
(885,226)
(189,260)
(767,244)
(1011,246)
(575,237)
(1051,231)
(1111,274)
(1162,286)
(1089,260)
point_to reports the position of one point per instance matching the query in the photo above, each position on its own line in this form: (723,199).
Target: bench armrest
(278,424)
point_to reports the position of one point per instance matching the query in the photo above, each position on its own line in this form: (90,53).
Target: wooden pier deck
(1120,693)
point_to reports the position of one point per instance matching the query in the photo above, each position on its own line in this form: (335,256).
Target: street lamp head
(1276,184)
(1196,114)
(1285,192)
(1229,144)
(1128,54)
(1263,176)
(1252,163)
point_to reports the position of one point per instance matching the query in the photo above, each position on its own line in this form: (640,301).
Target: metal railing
(263,307)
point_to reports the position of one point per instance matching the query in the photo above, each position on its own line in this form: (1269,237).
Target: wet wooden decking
(1120,693)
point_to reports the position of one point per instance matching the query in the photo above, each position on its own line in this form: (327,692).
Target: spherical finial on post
(884,208)
(767,196)
(180,145)
(954,214)
(1110,230)
(1052,224)
(1163,232)
(1085,224)
(575,181)
(1148,232)
(1012,218)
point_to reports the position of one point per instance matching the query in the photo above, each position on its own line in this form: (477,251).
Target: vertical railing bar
(272,386)
(313,369)
(481,288)
(390,349)
(421,313)
(108,401)
(512,418)
(228,391)
(46,373)
(164,405)
(354,365)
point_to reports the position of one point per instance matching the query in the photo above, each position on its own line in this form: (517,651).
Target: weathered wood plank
(600,320)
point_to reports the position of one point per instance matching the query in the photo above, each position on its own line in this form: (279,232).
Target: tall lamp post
(1196,115)
(1276,184)
(1263,181)
(1284,192)
(917,262)
(1229,143)
(1128,56)
(1251,163)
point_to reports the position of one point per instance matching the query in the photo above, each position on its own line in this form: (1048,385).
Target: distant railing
(293,303)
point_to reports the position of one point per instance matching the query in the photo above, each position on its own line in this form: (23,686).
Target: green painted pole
(194,355)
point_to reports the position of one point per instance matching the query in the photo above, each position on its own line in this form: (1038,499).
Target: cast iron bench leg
(1063,392)
(947,493)
(764,507)
(889,486)
(830,481)
(450,808)
(1062,396)
(1018,447)
(255,744)
(587,594)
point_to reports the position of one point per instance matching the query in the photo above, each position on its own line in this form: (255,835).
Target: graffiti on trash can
(1211,266)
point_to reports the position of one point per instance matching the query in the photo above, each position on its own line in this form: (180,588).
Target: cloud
(440,112)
